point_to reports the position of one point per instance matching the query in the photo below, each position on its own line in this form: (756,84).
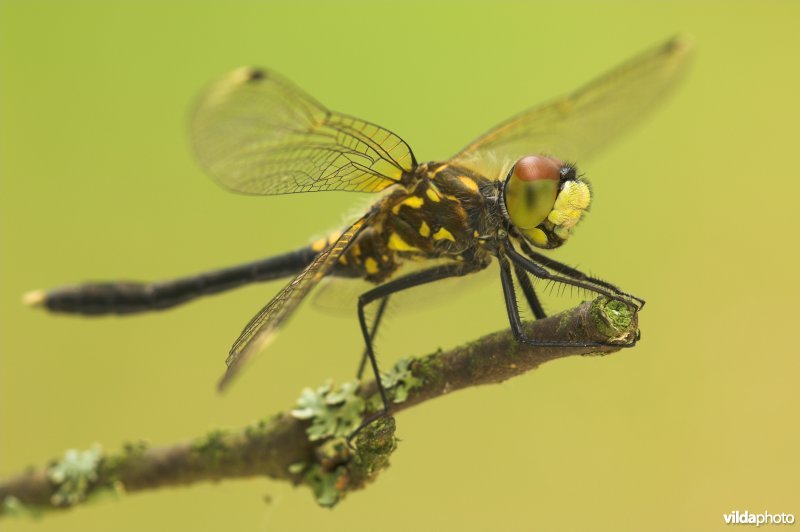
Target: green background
(696,212)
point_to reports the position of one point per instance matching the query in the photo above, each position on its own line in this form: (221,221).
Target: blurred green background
(695,212)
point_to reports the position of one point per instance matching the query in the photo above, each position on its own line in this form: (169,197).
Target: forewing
(263,327)
(575,127)
(257,133)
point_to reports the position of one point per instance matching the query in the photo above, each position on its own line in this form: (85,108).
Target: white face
(545,199)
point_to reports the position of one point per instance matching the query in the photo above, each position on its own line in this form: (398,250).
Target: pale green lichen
(257,430)
(614,319)
(13,507)
(109,469)
(400,380)
(333,412)
(135,447)
(328,476)
(74,475)
(428,369)
(341,469)
(213,447)
(564,321)
(297,467)
(374,445)
(619,315)
(325,484)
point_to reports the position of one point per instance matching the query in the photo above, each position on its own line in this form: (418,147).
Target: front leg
(605,289)
(530,293)
(574,272)
(515,321)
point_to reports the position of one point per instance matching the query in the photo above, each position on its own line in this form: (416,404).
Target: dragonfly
(507,197)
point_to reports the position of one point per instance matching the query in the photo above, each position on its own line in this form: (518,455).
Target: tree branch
(283,447)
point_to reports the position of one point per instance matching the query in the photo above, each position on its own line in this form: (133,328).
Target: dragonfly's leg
(515,321)
(530,293)
(384,291)
(574,272)
(375,324)
(538,271)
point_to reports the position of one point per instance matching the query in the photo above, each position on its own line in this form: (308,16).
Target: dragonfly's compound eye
(545,199)
(538,167)
(531,190)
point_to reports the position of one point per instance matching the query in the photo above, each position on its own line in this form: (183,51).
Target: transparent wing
(257,133)
(263,327)
(577,126)
(339,295)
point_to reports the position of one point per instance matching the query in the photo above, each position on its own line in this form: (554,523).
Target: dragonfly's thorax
(444,212)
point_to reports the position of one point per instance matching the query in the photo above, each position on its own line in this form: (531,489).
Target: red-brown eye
(536,167)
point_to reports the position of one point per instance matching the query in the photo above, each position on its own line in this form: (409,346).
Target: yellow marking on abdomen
(424,229)
(469,183)
(371,265)
(443,234)
(322,243)
(319,245)
(398,244)
(333,237)
(355,251)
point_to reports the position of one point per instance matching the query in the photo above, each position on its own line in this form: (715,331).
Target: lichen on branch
(306,445)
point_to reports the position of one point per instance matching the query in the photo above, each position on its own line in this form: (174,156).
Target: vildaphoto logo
(746,518)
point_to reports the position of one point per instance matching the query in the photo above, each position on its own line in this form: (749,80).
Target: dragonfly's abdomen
(368,257)
(131,297)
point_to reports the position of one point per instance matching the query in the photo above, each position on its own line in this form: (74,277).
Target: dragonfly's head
(545,198)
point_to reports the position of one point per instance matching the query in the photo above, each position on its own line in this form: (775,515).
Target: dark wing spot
(256,74)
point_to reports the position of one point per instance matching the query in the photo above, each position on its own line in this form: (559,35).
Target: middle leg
(382,292)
